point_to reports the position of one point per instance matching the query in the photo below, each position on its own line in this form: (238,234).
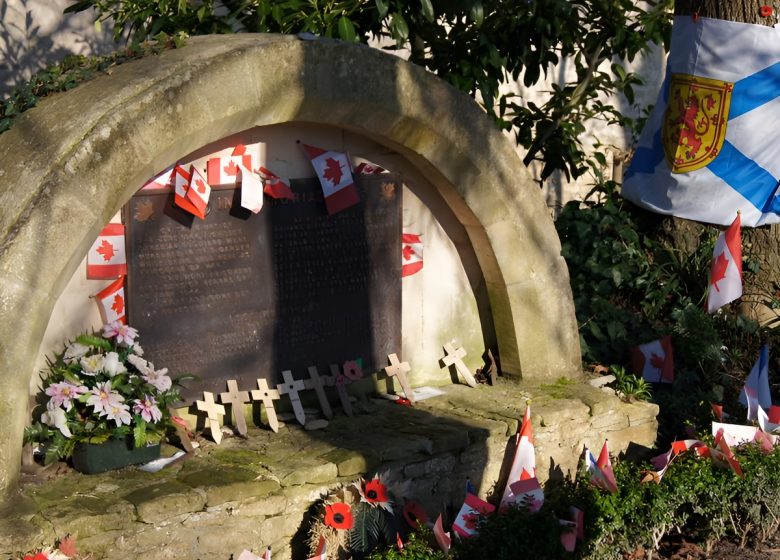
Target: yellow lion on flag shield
(695,121)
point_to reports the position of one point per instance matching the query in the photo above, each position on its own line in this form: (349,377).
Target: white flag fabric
(756,391)
(709,147)
(726,269)
(251,190)
(106,258)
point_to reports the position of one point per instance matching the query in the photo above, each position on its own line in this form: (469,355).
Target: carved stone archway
(71,163)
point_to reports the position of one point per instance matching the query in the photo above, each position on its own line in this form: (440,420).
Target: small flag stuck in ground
(654,360)
(726,268)
(468,516)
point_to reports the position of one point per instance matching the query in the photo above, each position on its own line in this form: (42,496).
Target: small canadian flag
(223,170)
(181,187)
(106,258)
(726,269)
(411,254)
(275,186)
(466,524)
(335,174)
(111,301)
(654,360)
(161,181)
(198,192)
(366,168)
(524,460)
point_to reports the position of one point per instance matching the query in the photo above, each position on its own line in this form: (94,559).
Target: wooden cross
(291,387)
(181,431)
(341,388)
(399,369)
(267,395)
(236,399)
(318,383)
(212,409)
(454,356)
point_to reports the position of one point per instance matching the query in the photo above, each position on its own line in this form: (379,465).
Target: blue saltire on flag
(756,391)
(710,146)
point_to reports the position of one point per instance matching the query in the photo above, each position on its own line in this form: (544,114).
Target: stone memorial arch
(70,164)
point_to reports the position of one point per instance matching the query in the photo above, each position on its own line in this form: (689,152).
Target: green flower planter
(91,458)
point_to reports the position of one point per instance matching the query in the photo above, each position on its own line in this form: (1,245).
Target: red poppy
(338,516)
(765,11)
(38,556)
(376,492)
(414,514)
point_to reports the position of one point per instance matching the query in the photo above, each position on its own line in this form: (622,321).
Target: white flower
(159,379)
(112,366)
(74,352)
(140,364)
(90,365)
(137,350)
(56,418)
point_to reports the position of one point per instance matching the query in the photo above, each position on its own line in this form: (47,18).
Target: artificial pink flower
(119,413)
(159,378)
(148,409)
(125,334)
(63,393)
(103,398)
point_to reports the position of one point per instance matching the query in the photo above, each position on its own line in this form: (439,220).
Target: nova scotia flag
(712,145)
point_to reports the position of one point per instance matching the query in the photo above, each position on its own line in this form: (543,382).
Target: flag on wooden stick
(726,269)
(275,186)
(223,170)
(251,190)
(111,301)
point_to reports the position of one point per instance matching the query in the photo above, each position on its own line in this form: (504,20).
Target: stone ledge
(253,491)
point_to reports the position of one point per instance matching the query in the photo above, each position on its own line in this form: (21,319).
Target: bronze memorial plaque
(246,296)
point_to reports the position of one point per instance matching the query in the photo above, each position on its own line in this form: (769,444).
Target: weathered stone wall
(256,492)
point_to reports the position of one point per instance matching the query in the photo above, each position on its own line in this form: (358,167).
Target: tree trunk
(760,245)
(746,11)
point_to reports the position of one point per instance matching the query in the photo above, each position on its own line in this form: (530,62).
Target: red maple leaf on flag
(332,171)
(656,361)
(718,273)
(231,168)
(470,520)
(201,186)
(107,250)
(407,252)
(119,304)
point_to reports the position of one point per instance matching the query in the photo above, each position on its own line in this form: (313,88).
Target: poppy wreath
(358,517)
